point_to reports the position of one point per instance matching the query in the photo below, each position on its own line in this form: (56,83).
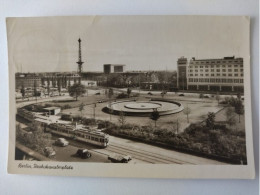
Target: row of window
(213,80)
(214,62)
(218,74)
(217,70)
(217,66)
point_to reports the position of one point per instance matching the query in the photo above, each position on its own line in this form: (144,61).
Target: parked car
(98,93)
(100,101)
(116,158)
(150,93)
(61,142)
(49,151)
(83,153)
(181,94)
(206,96)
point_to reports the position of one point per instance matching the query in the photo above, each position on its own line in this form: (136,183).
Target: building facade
(226,74)
(113,68)
(27,80)
(182,65)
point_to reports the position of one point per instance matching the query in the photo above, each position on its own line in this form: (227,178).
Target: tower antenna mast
(79,62)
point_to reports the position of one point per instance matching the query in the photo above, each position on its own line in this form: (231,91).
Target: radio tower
(79,61)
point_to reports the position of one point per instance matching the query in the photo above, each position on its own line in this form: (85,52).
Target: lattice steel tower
(79,62)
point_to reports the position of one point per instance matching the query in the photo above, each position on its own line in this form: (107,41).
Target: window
(241,70)
(241,65)
(236,75)
(212,70)
(218,61)
(212,66)
(196,66)
(224,75)
(201,70)
(224,80)
(229,70)
(241,75)
(236,70)
(241,80)
(196,74)
(230,75)
(191,75)
(201,66)
(217,66)
(229,66)
(206,70)
(217,80)
(207,75)
(223,66)
(191,70)
(212,80)
(206,66)
(195,80)
(206,80)
(218,74)
(218,70)
(196,70)
(236,80)
(236,65)
(223,70)
(230,80)
(190,80)
(201,74)
(212,75)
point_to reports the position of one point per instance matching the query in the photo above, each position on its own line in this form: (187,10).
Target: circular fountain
(144,108)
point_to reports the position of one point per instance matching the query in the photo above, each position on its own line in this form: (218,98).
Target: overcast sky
(140,42)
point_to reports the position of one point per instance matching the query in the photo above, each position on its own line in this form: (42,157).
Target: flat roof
(51,108)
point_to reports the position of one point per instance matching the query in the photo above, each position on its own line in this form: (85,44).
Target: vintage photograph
(130,89)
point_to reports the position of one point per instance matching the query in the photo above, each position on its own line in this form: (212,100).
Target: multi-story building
(226,74)
(27,80)
(113,68)
(182,73)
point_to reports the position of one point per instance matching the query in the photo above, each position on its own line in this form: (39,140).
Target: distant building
(53,110)
(182,65)
(113,68)
(27,80)
(226,74)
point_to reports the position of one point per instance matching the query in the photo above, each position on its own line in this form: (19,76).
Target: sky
(50,44)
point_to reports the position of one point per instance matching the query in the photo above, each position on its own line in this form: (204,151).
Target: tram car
(26,114)
(84,135)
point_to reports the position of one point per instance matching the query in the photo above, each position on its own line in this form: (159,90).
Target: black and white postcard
(130,96)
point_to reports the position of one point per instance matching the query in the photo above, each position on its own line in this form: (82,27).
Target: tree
(163,93)
(187,111)
(59,85)
(48,86)
(230,116)
(128,92)
(122,118)
(210,121)
(239,108)
(36,140)
(76,90)
(218,97)
(81,108)
(155,116)
(110,93)
(35,90)
(23,91)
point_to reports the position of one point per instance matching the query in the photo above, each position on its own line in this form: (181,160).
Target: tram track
(145,155)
